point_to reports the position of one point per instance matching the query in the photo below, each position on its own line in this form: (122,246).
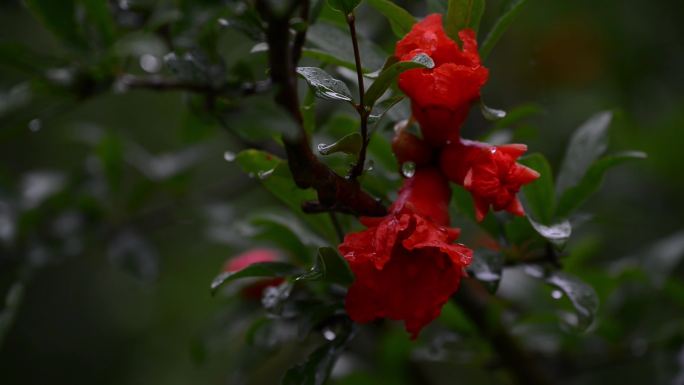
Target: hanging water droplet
(408,169)
(35,125)
(265,174)
(229,156)
(370,165)
(223,22)
(556,294)
(328,334)
(150,63)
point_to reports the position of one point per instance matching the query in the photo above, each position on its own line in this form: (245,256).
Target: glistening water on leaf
(349,144)
(329,267)
(325,86)
(491,114)
(557,233)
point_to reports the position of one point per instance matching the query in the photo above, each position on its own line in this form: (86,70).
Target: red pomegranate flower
(441,96)
(489,173)
(406,264)
(254,290)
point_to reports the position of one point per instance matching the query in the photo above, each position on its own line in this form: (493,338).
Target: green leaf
(344,6)
(98,12)
(325,86)
(400,20)
(327,58)
(329,267)
(491,114)
(587,143)
(317,368)
(60,18)
(380,109)
(557,233)
(500,26)
(336,42)
(582,296)
(261,269)
(389,75)
(349,144)
(462,14)
(574,196)
(274,174)
(540,195)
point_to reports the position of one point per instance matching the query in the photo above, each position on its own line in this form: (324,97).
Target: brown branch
(300,36)
(475,302)
(334,191)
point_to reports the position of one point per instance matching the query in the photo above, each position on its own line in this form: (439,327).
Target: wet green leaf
(574,196)
(462,14)
(487,267)
(539,195)
(587,143)
(557,233)
(389,75)
(325,86)
(261,269)
(381,108)
(98,12)
(336,42)
(349,144)
(500,26)
(329,267)
(400,20)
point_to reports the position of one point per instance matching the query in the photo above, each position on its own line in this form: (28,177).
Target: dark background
(94,314)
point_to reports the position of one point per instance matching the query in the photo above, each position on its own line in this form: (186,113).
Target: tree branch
(334,191)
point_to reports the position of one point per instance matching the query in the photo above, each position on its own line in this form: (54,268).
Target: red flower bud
(410,148)
(489,173)
(441,96)
(254,290)
(406,264)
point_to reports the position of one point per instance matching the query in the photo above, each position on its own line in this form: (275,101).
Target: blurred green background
(118,207)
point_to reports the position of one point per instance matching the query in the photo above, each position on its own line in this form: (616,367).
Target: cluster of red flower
(406,264)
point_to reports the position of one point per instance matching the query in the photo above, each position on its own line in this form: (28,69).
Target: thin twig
(300,36)
(336,224)
(358,168)
(334,191)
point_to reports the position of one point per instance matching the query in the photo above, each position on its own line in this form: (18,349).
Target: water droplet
(408,169)
(328,334)
(223,22)
(150,63)
(35,125)
(400,125)
(556,294)
(370,166)
(265,174)
(229,156)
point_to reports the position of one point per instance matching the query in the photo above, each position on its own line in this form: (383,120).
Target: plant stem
(334,192)
(336,224)
(358,168)
(300,36)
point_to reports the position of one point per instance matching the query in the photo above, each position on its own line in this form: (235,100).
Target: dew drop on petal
(408,169)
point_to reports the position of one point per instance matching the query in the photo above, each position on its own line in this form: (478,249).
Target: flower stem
(358,168)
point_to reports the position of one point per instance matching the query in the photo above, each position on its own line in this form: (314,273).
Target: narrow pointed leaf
(587,143)
(500,26)
(462,14)
(389,75)
(325,86)
(344,6)
(350,144)
(262,269)
(400,20)
(574,196)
